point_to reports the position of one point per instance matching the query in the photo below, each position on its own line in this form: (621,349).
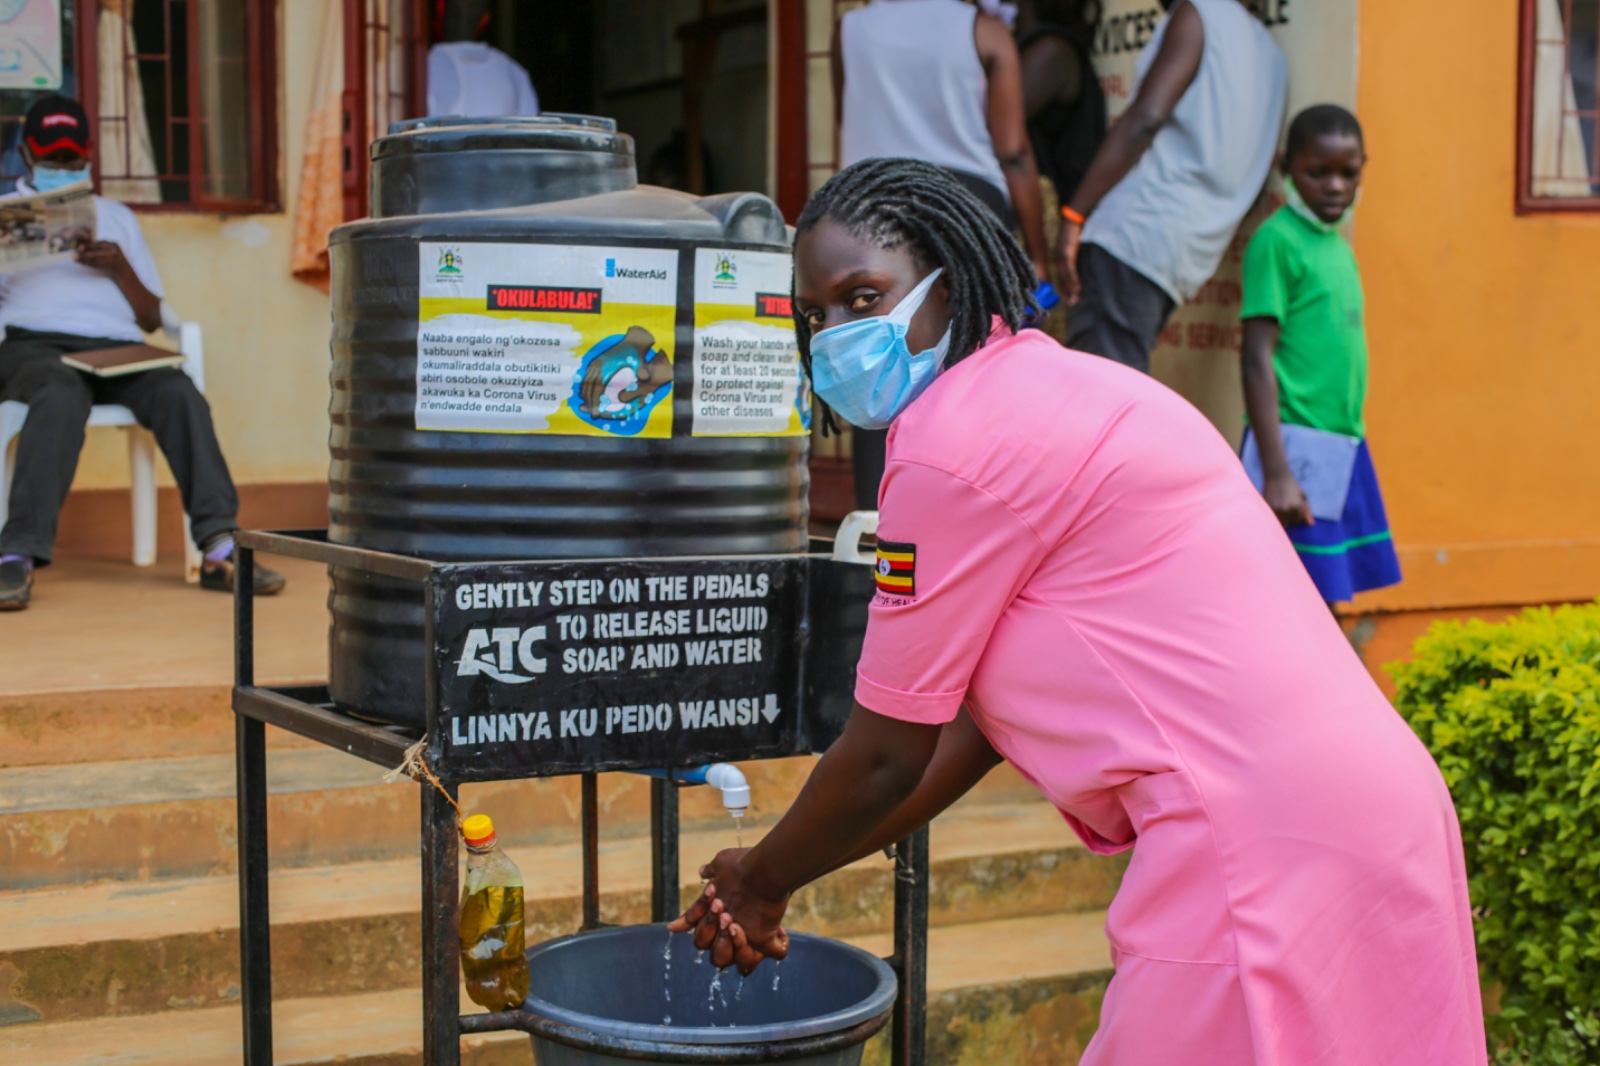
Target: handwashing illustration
(622,377)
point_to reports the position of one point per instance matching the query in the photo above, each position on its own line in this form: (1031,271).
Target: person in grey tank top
(939,81)
(1152,217)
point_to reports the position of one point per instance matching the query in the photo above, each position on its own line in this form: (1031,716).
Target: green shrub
(1512,714)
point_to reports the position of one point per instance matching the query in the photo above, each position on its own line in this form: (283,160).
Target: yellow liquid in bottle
(493,962)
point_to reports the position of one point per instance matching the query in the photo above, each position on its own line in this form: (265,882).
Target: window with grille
(181,94)
(1558,153)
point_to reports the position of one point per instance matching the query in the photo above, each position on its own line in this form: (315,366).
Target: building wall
(1485,384)
(266,334)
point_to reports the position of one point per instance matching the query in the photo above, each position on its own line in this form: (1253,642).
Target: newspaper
(44,227)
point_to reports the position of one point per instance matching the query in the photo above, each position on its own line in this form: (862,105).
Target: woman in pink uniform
(1077,577)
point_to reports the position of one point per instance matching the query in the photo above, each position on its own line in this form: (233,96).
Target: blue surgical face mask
(49,179)
(865,372)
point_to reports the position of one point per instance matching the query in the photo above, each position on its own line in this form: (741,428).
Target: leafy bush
(1512,714)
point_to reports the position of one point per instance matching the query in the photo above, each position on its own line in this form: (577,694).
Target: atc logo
(450,265)
(499,651)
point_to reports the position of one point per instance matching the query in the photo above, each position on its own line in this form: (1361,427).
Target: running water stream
(716,993)
(666,978)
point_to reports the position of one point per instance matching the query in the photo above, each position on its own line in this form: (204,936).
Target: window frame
(261,52)
(1526,202)
(365,32)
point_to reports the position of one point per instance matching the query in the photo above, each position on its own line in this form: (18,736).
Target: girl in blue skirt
(1305,365)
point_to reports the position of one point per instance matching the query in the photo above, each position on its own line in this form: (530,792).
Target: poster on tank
(748,381)
(1198,352)
(30,44)
(536,338)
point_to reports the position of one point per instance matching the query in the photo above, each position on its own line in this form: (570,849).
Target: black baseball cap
(55,122)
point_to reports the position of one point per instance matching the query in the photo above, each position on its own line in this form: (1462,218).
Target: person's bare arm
(1282,492)
(961,760)
(1169,77)
(107,256)
(1051,74)
(1008,129)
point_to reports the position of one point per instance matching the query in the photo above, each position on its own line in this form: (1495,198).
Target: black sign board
(564,667)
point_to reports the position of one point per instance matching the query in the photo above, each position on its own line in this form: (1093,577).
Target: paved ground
(104,622)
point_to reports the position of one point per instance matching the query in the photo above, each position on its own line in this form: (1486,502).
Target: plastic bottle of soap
(493,959)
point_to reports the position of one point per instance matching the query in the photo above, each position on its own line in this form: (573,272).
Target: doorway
(687,79)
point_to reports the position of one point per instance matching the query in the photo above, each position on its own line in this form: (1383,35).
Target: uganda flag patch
(897,568)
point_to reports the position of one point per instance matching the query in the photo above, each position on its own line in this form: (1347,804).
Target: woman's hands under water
(733,919)
(880,781)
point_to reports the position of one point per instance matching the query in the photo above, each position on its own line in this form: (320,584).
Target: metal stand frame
(308,711)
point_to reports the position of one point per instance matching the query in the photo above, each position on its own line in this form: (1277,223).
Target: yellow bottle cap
(479,830)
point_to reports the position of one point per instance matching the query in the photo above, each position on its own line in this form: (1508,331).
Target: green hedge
(1512,714)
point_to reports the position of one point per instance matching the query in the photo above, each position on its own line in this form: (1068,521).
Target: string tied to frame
(415,766)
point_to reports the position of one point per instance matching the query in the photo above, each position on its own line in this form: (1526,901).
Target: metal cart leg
(910,1047)
(591,851)
(663,851)
(441,947)
(255,934)
(250,790)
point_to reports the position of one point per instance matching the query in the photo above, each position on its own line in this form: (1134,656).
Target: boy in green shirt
(1305,365)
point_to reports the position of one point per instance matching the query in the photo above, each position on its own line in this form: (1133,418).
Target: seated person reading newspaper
(106,296)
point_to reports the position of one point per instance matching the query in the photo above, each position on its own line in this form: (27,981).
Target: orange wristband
(1072,216)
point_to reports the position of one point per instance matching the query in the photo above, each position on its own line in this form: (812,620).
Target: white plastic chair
(141,450)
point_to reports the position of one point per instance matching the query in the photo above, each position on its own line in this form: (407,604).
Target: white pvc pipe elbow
(729,780)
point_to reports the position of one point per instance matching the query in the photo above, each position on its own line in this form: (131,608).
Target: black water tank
(535,359)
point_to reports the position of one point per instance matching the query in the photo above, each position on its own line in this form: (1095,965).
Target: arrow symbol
(770,709)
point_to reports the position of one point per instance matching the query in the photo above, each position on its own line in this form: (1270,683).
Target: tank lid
(538,133)
(545,120)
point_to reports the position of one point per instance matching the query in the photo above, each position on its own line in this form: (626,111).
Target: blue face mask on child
(49,179)
(865,372)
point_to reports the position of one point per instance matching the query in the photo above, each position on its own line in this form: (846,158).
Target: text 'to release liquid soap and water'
(494,962)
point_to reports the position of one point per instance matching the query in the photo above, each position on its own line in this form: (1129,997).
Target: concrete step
(121,723)
(1019,991)
(144,819)
(118,949)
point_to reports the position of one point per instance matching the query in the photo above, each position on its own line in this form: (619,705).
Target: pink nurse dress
(1073,552)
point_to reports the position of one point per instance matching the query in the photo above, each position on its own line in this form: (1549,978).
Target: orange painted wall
(1484,410)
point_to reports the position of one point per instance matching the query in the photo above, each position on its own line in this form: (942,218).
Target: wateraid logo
(614,271)
(497,652)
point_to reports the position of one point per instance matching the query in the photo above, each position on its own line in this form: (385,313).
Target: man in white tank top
(1154,214)
(938,81)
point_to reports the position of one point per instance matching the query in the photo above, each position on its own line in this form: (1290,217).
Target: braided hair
(907,203)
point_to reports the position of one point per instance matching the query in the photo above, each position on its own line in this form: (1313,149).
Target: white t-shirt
(477,80)
(915,87)
(67,297)
(1172,217)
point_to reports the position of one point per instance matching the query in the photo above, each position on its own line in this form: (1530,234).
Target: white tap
(729,779)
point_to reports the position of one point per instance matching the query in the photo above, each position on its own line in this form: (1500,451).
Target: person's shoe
(217,576)
(16,585)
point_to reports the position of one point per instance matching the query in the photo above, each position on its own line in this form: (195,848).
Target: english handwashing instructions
(569,658)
